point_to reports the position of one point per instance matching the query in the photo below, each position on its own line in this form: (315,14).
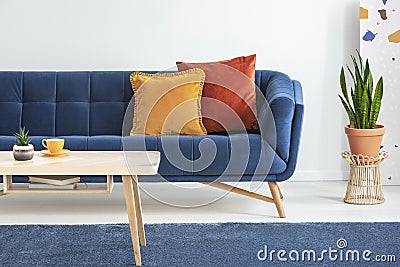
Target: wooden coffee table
(128,164)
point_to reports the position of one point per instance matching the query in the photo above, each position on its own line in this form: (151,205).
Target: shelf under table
(82,188)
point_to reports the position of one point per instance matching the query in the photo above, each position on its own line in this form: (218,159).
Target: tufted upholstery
(87,110)
(50,103)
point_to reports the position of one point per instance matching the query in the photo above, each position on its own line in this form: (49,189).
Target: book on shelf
(51,186)
(57,180)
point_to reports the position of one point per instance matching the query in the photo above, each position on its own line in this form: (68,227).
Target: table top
(83,163)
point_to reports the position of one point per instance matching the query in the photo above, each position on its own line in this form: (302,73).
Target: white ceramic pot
(23,152)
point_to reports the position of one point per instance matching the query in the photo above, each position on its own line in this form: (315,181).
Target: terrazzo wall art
(380,43)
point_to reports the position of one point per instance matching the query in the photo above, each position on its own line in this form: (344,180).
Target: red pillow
(228,102)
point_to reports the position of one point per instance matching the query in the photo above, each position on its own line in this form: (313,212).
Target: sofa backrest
(64,103)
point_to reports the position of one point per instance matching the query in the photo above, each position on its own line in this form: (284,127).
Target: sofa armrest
(283,125)
(276,118)
(296,131)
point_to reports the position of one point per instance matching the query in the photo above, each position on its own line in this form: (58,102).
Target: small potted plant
(23,149)
(362,107)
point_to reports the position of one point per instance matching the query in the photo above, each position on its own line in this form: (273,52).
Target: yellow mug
(54,145)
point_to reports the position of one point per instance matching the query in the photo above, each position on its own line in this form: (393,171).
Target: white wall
(308,39)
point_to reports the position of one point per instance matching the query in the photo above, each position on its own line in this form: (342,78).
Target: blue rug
(225,244)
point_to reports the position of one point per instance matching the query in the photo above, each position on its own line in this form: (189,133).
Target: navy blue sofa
(87,109)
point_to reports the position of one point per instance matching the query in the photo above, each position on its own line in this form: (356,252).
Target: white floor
(303,202)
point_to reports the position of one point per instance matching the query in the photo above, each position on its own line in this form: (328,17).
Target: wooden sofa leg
(273,186)
(280,192)
(277,195)
(1,193)
(239,191)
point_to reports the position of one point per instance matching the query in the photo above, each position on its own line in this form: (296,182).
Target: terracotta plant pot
(366,142)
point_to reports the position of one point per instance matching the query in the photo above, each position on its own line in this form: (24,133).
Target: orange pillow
(168,103)
(229,97)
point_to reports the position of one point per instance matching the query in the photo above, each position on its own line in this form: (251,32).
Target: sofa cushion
(168,104)
(185,155)
(71,142)
(176,151)
(237,154)
(229,97)
(83,143)
(104,143)
(194,155)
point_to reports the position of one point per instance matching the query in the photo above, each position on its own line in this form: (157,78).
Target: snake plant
(22,137)
(363,109)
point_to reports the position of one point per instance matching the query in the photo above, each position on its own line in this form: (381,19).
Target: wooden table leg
(110,183)
(130,206)
(138,206)
(7,179)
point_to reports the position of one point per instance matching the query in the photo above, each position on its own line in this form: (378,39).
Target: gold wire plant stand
(364,186)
